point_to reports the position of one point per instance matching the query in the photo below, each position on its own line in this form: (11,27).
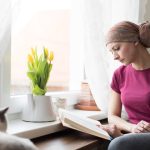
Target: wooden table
(70,140)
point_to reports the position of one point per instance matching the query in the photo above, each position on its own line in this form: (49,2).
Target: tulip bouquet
(39,68)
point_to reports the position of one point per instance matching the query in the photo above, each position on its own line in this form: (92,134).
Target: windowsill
(32,130)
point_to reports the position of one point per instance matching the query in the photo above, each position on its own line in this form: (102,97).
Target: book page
(83,124)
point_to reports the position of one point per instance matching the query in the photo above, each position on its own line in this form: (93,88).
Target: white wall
(144,13)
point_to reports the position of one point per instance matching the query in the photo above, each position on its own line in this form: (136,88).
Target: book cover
(82,124)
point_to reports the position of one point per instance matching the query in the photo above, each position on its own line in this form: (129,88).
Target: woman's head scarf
(126,31)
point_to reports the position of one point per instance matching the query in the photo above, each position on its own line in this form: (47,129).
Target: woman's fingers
(112,130)
(137,128)
(141,127)
(146,126)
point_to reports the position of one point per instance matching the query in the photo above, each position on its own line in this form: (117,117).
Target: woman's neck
(142,61)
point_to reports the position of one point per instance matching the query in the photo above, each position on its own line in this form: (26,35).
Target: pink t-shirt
(134,88)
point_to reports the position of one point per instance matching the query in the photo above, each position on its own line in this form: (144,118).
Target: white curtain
(5,44)
(97,16)
(5,21)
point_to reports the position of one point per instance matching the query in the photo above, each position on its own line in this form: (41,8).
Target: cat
(12,142)
(3,120)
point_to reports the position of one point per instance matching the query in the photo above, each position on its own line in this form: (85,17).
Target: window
(36,24)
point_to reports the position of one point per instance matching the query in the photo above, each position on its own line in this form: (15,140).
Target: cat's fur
(3,120)
(11,142)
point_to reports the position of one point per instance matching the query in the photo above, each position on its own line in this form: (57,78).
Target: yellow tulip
(51,56)
(30,58)
(33,51)
(46,51)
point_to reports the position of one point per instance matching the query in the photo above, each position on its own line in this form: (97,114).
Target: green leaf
(32,76)
(30,66)
(38,91)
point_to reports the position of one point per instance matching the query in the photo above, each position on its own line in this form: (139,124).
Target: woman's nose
(116,56)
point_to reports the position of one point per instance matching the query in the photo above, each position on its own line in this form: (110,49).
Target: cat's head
(3,120)
(3,111)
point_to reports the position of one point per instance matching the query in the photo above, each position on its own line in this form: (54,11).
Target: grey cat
(11,142)
(3,120)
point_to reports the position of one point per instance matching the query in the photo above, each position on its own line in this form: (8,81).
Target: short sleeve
(115,82)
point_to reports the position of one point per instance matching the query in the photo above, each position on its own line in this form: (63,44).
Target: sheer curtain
(97,16)
(5,44)
(4,26)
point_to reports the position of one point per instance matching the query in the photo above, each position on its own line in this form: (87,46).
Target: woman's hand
(141,127)
(112,130)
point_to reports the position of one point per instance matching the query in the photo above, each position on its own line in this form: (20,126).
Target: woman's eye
(116,48)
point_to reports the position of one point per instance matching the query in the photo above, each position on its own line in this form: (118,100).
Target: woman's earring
(136,43)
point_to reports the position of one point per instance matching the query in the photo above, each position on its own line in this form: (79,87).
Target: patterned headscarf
(126,31)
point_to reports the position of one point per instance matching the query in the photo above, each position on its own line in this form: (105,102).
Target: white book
(82,124)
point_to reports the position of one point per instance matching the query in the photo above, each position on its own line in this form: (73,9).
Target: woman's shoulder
(121,69)
(120,73)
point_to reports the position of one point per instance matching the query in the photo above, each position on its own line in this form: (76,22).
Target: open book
(82,124)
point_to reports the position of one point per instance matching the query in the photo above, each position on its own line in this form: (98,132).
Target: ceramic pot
(38,109)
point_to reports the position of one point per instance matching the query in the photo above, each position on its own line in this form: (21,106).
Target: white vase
(38,109)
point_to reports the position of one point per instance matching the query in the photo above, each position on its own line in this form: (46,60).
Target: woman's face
(125,52)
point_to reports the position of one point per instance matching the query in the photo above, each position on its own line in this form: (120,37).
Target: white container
(38,109)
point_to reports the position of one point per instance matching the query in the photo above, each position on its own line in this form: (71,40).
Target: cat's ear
(4,110)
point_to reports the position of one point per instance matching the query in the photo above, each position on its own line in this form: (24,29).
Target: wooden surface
(86,105)
(70,140)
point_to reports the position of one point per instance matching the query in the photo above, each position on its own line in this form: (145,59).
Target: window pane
(49,28)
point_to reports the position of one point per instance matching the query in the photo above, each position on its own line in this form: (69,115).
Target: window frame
(76,75)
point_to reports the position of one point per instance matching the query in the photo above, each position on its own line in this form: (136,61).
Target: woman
(130,85)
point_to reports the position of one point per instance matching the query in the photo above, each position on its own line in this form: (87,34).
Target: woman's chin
(125,63)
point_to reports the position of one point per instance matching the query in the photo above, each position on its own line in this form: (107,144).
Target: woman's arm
(114,113)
